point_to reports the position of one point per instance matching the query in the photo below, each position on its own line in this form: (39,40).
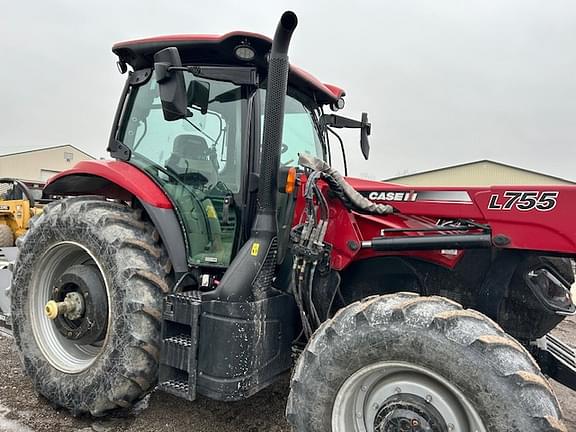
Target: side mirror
(171,84)
(365,130)
(198,95)
(336,121)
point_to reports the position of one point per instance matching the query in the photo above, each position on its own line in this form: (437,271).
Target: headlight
(552,290)
(244,52)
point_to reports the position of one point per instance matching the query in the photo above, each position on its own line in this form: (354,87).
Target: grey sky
(443,81)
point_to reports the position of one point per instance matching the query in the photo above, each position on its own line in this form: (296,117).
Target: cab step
(176,388)
(178,364)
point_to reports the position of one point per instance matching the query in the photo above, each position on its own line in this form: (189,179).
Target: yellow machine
(17,206)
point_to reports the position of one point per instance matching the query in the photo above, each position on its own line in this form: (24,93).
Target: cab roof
(219,50)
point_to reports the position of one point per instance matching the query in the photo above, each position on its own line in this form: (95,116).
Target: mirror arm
(178,68)
(162,71)
(340,122)
(240,75)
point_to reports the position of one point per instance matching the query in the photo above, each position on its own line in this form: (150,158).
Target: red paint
(332,92)
(188,38)
(548,231)
(328,89)
(336,91)
(124,175)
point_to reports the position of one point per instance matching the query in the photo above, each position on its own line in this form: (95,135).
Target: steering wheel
(283,150)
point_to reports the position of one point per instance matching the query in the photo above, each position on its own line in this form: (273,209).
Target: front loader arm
(535,218)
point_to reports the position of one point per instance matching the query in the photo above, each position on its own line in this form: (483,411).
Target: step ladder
(178,356)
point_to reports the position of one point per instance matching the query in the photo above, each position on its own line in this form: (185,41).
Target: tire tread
(141,241)
(439,316)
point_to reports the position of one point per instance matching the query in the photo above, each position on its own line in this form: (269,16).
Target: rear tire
(418,346)
(6,236)
(121,366)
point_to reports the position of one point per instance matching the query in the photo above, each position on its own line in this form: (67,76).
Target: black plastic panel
(244,346)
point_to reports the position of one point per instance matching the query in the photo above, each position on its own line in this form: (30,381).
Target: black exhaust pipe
(250,274)
(274,117)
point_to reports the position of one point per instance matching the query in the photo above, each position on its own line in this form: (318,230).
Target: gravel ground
(22,410)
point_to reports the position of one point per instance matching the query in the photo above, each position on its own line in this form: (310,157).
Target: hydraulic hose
(352,196)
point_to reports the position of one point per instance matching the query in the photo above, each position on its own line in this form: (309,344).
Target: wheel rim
(402,397)
(62,353)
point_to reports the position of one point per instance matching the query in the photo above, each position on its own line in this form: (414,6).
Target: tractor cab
(206,158)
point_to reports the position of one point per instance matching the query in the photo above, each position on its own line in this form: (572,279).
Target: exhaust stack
(250,274)
(274,116)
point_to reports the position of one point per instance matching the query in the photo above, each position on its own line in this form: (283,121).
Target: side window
(184,145)
(299,135)
(155,139)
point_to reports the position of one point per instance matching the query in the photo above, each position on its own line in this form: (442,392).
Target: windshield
(197,160)
(299,134)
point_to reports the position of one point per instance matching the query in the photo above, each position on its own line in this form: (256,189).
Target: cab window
(300,134)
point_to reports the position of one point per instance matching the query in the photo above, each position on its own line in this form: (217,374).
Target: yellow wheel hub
(72,307)
(51,309)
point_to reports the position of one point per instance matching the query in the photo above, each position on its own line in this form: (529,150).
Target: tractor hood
(391,192)
(534,217)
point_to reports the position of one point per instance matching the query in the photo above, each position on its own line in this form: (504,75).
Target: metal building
(478,173)
(40,164)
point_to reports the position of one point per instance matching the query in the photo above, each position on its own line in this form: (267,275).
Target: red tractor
(219,247)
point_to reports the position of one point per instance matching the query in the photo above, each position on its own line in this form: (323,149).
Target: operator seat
(191,160)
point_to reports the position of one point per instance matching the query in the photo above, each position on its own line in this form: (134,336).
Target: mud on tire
(134,267)
(494,372)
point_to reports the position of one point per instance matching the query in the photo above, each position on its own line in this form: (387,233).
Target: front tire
(404,362)
(108,357)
